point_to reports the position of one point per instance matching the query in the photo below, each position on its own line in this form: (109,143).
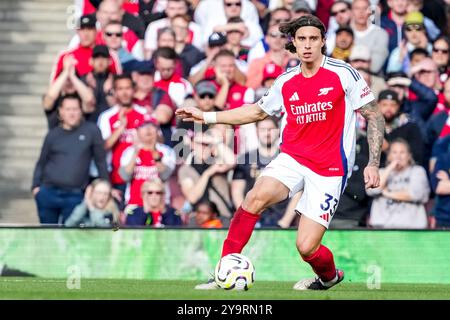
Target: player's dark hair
(166,53)
(290,28)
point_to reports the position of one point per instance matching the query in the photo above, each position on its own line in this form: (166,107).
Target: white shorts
(321,194)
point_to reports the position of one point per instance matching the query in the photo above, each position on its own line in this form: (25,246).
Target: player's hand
(371,177)
(190,114)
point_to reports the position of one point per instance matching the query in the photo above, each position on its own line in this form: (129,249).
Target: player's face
(308,42)
(124,92)
(101,195)
(70,113)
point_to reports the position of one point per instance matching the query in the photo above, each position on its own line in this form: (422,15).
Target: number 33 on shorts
(329,206)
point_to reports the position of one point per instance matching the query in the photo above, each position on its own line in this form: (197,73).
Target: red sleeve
(165,99)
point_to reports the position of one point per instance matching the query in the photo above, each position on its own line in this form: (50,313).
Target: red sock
(322,263)
(241,228)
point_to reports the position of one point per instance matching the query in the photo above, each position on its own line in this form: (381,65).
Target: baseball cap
(414,17)
(205,87)
(100,51)
(388,95)
(301,5)
(144,67)
(271,71)
(217,39)
(87,21)
(360,52)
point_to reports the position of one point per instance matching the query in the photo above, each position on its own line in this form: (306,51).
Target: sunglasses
(444,51)
(110,34)
(415,27)
(277,35)
(150,192)
(230,4)
(278,21)
(209,96)
(335,13)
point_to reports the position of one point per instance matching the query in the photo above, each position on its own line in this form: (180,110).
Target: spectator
(417,55)
(173,8)
(110,10)
(155,100)
(235,34)
(203,175)
(62,171)
(205,92)
(98,208)
(300,8)
(100,81)
(440,184)
(233,95)
(276,16)
(416,99)
(206,215)
(370,35)
(67,83)
(439,124)
(145,160)
(360,59)
(166,79)
(250,164)
(432,30)
(154,212)
(399,201)
(276,55)
(216,43)
(437,10)
(416,37)
(344,43)
(398,125)
(392,21)
(340,16)
(225,9)
(440,55)
(87,39)
(117,125)
(187,53)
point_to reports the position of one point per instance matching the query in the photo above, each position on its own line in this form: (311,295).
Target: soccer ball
(234,272)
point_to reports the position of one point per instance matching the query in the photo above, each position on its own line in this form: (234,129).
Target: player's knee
(255,201)
(306,247)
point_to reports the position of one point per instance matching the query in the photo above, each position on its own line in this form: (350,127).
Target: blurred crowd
(115,154)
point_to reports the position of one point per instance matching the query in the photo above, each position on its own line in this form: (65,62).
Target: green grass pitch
(38,288)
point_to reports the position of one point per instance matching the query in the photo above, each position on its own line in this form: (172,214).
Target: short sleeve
(272,101)
(358,92)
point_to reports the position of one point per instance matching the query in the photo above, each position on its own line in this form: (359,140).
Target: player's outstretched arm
(375,135)
(248,113)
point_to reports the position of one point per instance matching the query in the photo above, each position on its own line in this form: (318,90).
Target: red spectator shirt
(82,55)
(177,88)
(144,170)
(318,128)
(108,121)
